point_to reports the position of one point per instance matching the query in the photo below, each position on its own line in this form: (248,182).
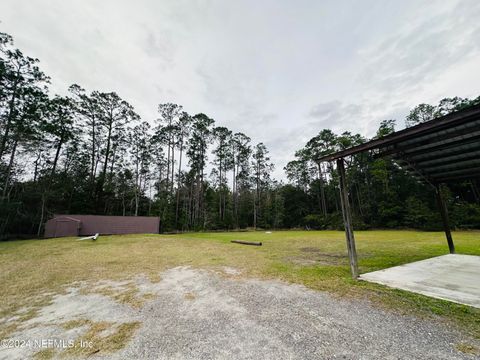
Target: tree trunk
(179,182)
(168,165)
(357,190)
(136,201)
(173,166)
(201,197)
(160,168)
(137,182)
(107,150)
(93,167)
(202,202)
(97,160)
(255,210)
(11,106)
(220,190)
(123,204)
(322,190)
(234,194)
(257,194)
(55,160)
(9,169)
(112,163)
(42,214)
(37,163)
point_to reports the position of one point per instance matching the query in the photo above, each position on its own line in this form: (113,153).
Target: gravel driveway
(198,314)
(202,316)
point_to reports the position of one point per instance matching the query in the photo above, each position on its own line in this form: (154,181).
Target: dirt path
(193,314)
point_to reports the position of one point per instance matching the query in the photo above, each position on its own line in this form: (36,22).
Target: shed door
(66,228)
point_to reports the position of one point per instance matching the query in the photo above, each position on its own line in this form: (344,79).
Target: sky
(279,71)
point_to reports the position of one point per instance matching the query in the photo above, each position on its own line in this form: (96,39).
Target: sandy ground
(196,314)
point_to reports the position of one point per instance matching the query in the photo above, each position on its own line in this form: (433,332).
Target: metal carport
(440,151)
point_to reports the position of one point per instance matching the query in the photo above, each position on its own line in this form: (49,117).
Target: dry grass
(468,349)
(104,337)
(128,294)
(9,328)
(45,354)
(31,271)
(190,296)
(72,324)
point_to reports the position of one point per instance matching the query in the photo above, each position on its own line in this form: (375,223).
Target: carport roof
(442,150)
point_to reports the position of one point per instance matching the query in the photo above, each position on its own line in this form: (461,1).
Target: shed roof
(59,217)
(445,149)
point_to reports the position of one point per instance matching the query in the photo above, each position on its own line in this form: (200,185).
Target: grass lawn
(32,271)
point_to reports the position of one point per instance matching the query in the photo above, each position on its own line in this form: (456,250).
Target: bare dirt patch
(104,314)
(311,256)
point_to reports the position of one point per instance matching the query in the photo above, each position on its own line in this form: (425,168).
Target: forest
(89,152)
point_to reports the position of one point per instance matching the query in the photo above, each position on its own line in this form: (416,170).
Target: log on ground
(247,242)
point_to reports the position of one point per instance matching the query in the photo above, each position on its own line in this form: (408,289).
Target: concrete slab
(450,277)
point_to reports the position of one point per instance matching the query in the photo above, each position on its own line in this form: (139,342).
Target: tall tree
(58,127)
(114,116)
(58,124)
(262,168)
(22,83)
(223,161)
(197,154)
(167,129)
(241,152)
(322,144)
(88,153)
(141,157)
(88,107)
(183,125)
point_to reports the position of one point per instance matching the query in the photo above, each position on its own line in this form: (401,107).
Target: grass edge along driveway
(32,271)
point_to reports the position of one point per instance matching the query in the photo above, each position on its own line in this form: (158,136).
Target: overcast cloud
(279,71)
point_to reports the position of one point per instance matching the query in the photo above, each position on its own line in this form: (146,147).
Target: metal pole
(444,213)
(347,219)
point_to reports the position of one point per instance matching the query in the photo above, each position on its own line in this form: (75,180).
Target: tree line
(382,195)
(89,152)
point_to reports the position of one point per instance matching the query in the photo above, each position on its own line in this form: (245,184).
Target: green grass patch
(31,271)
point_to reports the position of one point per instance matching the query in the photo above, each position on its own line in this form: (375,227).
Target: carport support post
(444,213)
(347,219)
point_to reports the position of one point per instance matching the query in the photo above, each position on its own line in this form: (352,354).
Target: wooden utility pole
(347,219)
(444,213)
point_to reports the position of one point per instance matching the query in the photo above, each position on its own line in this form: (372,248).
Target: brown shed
(62,226)
(75,225)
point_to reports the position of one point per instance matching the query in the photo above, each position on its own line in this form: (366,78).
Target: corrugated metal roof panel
(443,149)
